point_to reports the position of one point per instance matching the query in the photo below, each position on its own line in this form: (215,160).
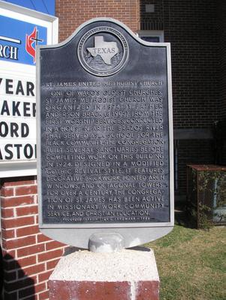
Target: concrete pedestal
(123,275)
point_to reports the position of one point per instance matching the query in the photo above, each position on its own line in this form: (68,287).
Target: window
(154,36)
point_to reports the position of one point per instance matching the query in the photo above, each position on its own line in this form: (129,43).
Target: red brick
(8,234)
(8,254)
(44,295)
(27,210)
(7,192)
(147,290)
(52,264)
(28,271)
(53,245)
(43,238)
(30,250)
(36,219)
(30,230)
(88,290)
(40,287)
(27,261)
(36,199)
(19,243)
(26,190)
(17,201)
(44,276)
(7,213)
(12,223)
(126,11)
(50,255)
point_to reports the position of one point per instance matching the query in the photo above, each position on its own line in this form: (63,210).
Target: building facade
(196,30)
(197,62)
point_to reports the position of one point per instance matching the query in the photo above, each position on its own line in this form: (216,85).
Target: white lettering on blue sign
(21,47)
(9,52)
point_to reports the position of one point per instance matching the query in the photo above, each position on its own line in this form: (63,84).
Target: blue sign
(18,40)
(46,7)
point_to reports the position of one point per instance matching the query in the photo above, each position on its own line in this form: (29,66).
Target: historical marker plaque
(105,136)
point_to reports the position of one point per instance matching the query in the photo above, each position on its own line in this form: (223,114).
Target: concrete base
(124,275)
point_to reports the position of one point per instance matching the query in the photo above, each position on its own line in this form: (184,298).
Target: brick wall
(28,256)
(73,13)
(222,54)
(152,20)
(191,28)
(192,32)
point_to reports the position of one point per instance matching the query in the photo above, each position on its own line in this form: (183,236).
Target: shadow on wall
(16,284)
